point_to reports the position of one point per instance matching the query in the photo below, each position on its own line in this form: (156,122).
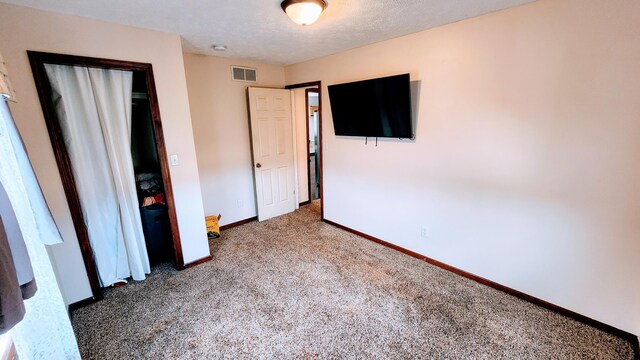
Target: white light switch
(174,160)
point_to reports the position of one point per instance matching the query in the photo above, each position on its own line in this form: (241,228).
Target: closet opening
(97,110)
(148,174)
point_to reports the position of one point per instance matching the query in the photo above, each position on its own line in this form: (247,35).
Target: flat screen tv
(372,108)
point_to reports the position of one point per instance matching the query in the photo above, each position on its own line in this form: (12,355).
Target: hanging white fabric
(45,331)
(94,111)
(38,207)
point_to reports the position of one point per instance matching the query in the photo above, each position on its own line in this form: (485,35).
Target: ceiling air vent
(239,73)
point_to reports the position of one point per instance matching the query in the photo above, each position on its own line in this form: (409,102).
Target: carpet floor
(294,287)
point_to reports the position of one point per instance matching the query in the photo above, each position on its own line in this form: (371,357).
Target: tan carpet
(294,287)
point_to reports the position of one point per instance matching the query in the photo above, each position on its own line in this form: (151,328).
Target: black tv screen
(373,108)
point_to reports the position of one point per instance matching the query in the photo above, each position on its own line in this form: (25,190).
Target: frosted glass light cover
(304,13)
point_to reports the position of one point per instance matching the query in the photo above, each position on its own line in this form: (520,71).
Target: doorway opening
(313,112)
(308,118)
(152,195)
(286,144)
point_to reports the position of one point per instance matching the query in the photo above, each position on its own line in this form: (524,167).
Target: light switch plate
(174,160)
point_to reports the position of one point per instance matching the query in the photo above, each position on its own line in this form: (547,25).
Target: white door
(273,152)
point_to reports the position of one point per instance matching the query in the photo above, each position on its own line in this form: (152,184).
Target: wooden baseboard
(82,303)
(238,223)
(197,262)
(305,203)
(532,299)
(222,228)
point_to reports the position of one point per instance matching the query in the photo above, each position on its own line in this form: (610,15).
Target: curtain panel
(94,111)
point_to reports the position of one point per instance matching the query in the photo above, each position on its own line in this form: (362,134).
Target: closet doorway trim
(37,60)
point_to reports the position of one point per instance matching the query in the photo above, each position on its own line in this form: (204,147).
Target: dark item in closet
(149,184)
(157,232)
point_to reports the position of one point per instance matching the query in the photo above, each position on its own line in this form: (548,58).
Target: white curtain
(94,111)
(45,332)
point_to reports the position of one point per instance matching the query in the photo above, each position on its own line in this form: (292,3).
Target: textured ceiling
(260,30)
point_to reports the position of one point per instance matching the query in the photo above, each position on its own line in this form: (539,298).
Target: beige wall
(221,132)
(526,163)
(28,29)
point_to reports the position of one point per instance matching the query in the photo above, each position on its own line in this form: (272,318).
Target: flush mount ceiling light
(219,47)
(304,12)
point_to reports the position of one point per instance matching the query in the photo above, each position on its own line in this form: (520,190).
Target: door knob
(258,165)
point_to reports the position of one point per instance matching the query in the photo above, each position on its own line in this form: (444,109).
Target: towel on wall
(45,331)
(11,306)
(16,275)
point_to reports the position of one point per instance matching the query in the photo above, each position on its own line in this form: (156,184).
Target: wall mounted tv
(373,108)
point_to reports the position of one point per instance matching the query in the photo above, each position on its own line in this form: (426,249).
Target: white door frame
(322,146)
